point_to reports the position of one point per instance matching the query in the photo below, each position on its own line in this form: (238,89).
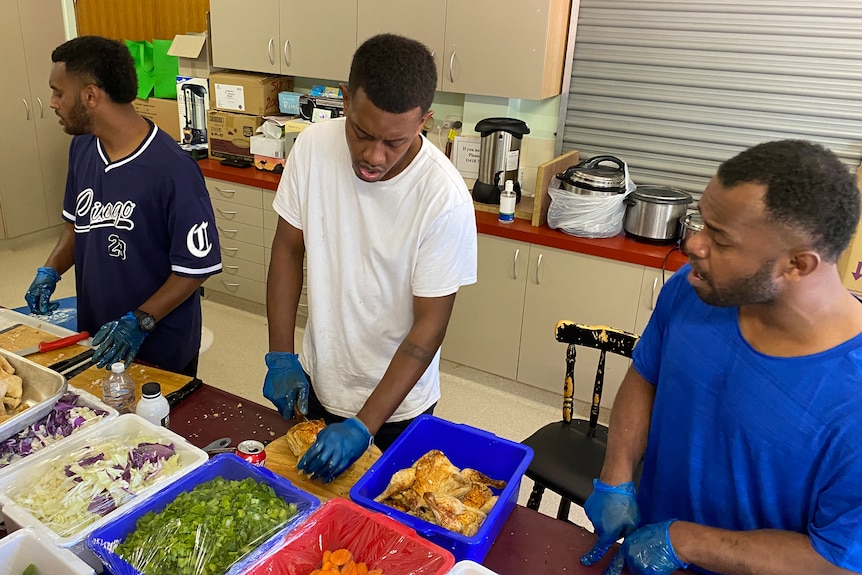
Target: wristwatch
(146,322)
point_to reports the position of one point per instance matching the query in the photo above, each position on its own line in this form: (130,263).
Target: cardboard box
(850,264)
(193,117)
(265,146)
(230,134)
(247,92)
(162,112)
(288,103)
(193,54)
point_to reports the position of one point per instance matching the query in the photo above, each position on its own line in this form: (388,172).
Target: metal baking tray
(42,389)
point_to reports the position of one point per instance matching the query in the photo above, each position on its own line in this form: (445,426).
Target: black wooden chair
(569,454)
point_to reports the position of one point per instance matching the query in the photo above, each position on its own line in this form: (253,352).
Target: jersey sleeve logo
(198,240)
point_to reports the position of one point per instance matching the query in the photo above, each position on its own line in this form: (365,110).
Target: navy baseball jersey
(137,220)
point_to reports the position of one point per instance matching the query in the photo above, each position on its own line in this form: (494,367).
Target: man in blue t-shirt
(140,228)
(745,396)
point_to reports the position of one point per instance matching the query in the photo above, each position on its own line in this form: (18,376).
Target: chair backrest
(601,337)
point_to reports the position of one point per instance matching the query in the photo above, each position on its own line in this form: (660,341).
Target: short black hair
(808,188)
(396,73)
(106,63)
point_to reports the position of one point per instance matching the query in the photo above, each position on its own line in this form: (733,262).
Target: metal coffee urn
(195,130)
(499,156)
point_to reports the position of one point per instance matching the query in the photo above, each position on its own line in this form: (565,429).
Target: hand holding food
(337,447)
(614,513)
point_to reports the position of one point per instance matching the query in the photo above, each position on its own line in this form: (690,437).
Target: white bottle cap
(118,367)
(510,187)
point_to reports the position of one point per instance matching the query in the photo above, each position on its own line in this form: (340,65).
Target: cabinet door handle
(227,214)
(652,297)
(41,108)
(230,233)
(226,249)
(26,109)
(285,52)
(230,285)
(538,267)
(270,51)
(224,191)
(232,268)
(451,66)
(515,264)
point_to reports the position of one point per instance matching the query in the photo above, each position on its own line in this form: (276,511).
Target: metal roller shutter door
(676,87)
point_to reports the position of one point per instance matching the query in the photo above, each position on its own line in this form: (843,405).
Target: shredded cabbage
(78,489)
(66,418)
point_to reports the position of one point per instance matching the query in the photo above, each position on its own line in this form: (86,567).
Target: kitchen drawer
(240,287)
(242,250)
(241,232)
(235,193)
(230,212)
(270,218)
(240,268)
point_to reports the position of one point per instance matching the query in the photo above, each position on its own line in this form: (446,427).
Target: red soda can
(252,451)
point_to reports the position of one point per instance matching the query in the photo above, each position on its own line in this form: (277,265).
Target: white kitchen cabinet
(246,35)
(485,329)
(516,51)
(34,150)
(650,288)
(400,17)
(317,41)
(563,285)
(283,36)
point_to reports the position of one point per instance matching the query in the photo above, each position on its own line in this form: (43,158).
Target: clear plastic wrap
(374,539)
(588,216)
(221,518)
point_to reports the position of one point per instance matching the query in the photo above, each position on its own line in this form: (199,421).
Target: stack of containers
(105,538)
(16,483)
(465,446)
(26,547)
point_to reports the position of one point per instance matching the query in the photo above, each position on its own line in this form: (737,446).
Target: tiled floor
(235,361)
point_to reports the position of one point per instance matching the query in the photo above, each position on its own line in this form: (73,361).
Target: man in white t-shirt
(387,227)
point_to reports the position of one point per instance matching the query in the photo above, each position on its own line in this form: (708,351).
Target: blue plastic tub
(465,446)
(102,541)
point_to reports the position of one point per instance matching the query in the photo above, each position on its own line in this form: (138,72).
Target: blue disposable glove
(285,384)
(614,513)
(647,551)
(337,446)
(38,296)
(118,340)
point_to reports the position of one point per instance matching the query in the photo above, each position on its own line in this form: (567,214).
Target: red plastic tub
(374,539)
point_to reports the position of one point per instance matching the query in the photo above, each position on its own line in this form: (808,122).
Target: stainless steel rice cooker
(653,213)
(594,177)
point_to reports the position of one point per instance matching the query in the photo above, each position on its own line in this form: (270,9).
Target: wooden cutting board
(89,380)
(280,460)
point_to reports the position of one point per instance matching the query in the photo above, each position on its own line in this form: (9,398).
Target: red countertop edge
(619,248)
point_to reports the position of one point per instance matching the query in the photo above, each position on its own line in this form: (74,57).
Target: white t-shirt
(371,247)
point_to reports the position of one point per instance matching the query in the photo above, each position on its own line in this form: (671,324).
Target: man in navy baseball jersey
(140,228)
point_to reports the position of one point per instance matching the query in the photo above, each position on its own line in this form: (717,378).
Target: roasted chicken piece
(451,513)
(437,491)
(303,435)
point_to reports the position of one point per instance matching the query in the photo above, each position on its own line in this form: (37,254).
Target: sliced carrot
(327,565)
(349,568)
(375,572)
(316,572)
(361,569)
(341,556)
(326,555)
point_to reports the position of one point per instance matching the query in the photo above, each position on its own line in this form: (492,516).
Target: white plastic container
(125,426)
(118,389)
(25,547)
(468,567)
(84,398)
(153,406)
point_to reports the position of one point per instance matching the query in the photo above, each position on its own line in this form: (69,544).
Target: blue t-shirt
(741,440)
(137,220)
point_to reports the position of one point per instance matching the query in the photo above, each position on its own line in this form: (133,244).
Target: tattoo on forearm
(414,351)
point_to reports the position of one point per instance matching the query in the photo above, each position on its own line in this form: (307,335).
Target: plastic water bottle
(118,389)
(154,406)
(508,198)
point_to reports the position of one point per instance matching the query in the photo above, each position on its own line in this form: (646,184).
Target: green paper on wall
(166,69)
(142,54)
